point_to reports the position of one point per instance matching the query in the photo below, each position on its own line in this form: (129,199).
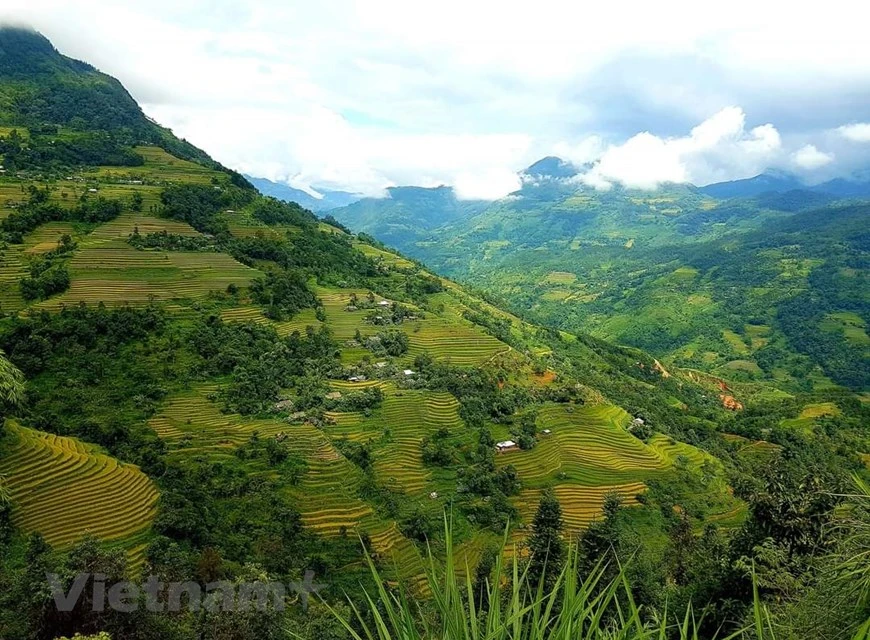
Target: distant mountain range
(781,182)
(329,200)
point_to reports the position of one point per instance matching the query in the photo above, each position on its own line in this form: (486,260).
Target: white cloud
(718,148)
(587,150)
(366,93)
(810,158)
(859,132)
(490,184)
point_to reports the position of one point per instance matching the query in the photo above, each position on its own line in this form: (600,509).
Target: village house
(284,405)
(408,372)
(506,445)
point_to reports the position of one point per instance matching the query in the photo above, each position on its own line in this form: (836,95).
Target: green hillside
(731,287)
(220,386)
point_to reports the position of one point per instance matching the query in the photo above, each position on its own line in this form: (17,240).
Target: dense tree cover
(46,279)
(39,208)
(170,241)
(391,342)
(275,212)
(48,275)
(198,205)
(47,151)
(282,294)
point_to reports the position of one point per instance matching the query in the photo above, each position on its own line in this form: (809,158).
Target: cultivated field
(588,445)
(65,489)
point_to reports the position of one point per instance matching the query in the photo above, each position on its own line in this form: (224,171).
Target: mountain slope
(698,281)
(217,338)
(69,106)
(291,390)
(406,212)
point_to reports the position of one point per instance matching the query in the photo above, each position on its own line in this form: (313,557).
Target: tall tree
(546,547)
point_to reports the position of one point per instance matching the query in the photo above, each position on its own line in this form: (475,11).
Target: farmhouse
(384,303)
(506,445)
(408,372)
(546,432)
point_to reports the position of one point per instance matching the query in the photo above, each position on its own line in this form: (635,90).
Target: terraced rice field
(299,322)
(13,267)
(446,336)
(65,489)
(191,423)
(580,505)
(384,257)
(113,272)
(462,344)
(397,429)
(46,237)
(673,450)
(122,227)
(589,446)
(327,492)
(345,323)
(159,166)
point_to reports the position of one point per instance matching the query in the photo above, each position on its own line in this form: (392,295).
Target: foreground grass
(514,608)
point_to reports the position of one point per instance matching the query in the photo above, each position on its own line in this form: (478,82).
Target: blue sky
(364,95)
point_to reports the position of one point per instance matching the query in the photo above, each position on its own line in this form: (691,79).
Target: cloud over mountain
(364,95)
(719,148)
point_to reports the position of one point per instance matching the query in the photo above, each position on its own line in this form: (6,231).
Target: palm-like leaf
(11,382)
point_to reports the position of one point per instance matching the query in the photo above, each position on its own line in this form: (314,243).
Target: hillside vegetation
(220,386)
(771,287)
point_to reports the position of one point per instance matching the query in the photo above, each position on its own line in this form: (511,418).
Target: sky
(369,94)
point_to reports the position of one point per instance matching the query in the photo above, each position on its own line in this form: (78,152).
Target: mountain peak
(550,167)
(24,52)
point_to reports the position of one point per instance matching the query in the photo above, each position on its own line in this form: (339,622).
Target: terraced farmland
(326,494)
(397,429)
(384,257)
(65,489)
(113,272)
(445,336)
(580,505)
(46,237)
(13,267)
(192,423)
(588,445)
(159,167)
(299,322)
(462,344)
(122,227)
